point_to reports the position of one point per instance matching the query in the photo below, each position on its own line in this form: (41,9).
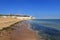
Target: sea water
(48,29)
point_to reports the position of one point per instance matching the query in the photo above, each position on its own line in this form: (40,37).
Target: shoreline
(20,32)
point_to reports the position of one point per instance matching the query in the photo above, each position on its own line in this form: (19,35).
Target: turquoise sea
(48,29)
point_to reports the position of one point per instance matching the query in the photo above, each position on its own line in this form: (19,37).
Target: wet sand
(20,31)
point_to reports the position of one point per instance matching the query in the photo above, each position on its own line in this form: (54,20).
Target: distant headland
(16,16)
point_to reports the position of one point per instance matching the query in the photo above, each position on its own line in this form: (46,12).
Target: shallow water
(48,29)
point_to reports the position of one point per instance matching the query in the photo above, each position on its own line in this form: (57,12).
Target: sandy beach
(18,31)
(6,22)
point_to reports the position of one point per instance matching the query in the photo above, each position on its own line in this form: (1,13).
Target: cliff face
(25,18)
(18,31)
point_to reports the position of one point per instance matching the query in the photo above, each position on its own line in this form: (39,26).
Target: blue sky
(39,8)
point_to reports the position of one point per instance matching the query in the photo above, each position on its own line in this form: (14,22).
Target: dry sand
(6,22)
